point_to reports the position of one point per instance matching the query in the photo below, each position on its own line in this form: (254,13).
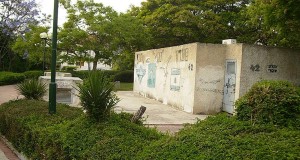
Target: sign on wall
(151,75)
(272,68)
(175,79)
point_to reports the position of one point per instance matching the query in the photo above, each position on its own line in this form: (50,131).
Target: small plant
(32,89)
(275,102)
(97,96)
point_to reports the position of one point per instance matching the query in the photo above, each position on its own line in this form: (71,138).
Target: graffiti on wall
(219,91)
(140,58)
(158,55)
(140,72)
(175,79)
(202,81)
(272,68)
(151,75)
(165,68)
(255,68)
(182,55)
(191,67)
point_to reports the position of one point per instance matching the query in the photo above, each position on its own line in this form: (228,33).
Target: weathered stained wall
(268,63)
(192,77)
(167,75)
(210,72)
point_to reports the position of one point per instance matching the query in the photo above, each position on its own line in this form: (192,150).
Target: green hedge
(110,74)
(224,137)
(69,134)
(33,74)
(69,68)
(275,102)
(7,78)
(124,76)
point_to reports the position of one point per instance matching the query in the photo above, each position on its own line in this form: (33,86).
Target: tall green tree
(274,22)
(130,36)
(175,22)
(31,46)
(95,19)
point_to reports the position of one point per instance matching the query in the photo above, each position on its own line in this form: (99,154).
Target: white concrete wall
(268,63)
(167,75)
(199,70)
(210,71)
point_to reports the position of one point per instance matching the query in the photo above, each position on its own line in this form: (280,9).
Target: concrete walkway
(163,117)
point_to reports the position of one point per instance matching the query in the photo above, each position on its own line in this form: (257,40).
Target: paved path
(164,117)
(8,93)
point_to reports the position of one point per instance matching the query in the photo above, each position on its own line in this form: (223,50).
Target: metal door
(229,87)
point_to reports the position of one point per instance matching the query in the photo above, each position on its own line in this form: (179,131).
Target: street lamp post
(44,37)
(52,85)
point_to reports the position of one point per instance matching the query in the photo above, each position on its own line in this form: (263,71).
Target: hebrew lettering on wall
(140,58)
(182,55)
(140,72)
(175,79)
(158,55)
(151,75)
(272,68)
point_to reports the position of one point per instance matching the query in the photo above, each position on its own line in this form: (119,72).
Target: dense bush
(275,102)
(69,68)
(110,74)
(7,78)
(32,89)
(124,76)
(224,137)
(70,135)
(33,74)
(97,96)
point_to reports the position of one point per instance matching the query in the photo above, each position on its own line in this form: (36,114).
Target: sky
(118,5)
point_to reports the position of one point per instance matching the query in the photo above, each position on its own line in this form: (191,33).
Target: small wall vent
(229,41)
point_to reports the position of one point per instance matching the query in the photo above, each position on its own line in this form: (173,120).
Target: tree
(175,22)
(15,17)
(95,19)
(73,43)
(275,22)
(30,43)
(130,36)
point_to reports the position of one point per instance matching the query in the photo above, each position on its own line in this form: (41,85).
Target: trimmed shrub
(33,74)
(275,102)
(32,89)
(69,68)
(124,76)
(224,137)
(80,74)
(7,78)
(69,134)
(26,123)
(109,74)
(97,96)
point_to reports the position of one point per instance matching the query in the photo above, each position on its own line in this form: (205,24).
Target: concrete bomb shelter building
(208,78)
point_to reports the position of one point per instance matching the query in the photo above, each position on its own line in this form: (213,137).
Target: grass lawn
(125,87)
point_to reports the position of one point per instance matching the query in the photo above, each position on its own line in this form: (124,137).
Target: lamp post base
(52,98)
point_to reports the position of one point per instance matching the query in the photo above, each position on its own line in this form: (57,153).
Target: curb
(10,146)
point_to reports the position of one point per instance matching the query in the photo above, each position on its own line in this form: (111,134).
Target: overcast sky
(117,5)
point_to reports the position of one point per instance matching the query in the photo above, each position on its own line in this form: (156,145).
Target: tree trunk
(95,61)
